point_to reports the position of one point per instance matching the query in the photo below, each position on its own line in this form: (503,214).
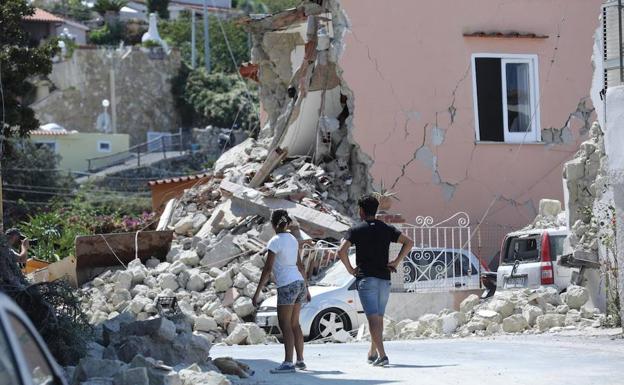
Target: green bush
(222,100)
(107,35)
(161,7)
(90,212)
(151,44)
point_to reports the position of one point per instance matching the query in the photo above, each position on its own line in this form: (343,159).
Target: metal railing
(440,261)
(160,145)
(612,45)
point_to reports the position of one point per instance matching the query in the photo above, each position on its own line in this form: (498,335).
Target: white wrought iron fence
(441,259)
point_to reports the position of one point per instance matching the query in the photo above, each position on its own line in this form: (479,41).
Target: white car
(335,303)
(24,357)
(529,259)
(335,306)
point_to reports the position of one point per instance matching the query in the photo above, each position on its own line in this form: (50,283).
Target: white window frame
(99,145)
(50,143)
(533,136)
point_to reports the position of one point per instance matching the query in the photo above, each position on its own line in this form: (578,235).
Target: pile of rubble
(155,351)
(517,311)
(221,230)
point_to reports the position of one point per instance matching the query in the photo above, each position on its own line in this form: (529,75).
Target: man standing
(372,240)
(15,239)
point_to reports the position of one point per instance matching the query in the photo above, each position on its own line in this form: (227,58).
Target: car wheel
(329,322)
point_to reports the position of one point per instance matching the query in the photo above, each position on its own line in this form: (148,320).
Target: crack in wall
(564,135)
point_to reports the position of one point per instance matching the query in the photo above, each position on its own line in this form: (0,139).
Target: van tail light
(546,265)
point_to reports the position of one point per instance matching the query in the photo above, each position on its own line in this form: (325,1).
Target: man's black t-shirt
(372,244)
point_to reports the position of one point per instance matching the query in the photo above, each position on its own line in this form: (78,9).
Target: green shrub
(151,44)
(222,99)
(107,35)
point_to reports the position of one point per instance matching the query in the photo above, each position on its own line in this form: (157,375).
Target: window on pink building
(506,98)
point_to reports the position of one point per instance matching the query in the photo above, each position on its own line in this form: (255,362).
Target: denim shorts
(374,293)
(292,293)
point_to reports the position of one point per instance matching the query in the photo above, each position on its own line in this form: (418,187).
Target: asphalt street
(524,360)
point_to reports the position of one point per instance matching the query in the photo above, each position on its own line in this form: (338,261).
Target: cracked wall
(415,113)
(309,106)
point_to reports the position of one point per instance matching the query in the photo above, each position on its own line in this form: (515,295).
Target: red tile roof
(179,179)
(50,132)
(43,16)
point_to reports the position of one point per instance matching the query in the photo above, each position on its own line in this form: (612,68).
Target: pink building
(471,106)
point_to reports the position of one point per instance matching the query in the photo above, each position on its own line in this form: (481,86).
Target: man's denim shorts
(374,294)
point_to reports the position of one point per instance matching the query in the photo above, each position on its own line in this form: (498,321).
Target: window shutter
(489,99)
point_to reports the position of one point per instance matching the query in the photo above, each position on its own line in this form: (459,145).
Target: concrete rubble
(221,229)
(528,311)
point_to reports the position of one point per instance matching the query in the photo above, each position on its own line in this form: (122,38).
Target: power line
(77,190)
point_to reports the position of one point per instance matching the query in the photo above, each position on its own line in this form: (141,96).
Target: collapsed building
(304,159)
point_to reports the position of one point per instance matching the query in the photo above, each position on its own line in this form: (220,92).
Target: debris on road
(518,311)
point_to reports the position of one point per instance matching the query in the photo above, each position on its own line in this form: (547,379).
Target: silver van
(529,259)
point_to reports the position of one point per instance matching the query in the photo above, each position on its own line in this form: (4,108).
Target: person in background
(372,240)
(284,261)
(17,240)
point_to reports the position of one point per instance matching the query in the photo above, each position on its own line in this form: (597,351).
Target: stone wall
(143,92)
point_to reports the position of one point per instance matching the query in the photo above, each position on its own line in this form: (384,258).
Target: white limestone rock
(195,282)
(205,324)
(547,321)
(223,282)
(530,314)
(515,324)
(502,306)
(243,307)
(576,297)
(469,303)
(168,281)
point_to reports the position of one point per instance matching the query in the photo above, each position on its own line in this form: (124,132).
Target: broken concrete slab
(315,223)
(221,253)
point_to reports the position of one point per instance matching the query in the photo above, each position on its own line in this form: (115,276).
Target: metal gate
(441,259)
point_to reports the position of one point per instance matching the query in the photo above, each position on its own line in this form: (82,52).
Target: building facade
(75,147)
(471,106)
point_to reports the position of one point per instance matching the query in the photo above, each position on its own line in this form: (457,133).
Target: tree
(177,33)
(161,7)
(103,6)
(30,180)
(221,100)
(265,6)
(73,9)
(19,62)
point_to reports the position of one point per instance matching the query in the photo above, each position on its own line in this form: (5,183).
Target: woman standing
(284,261)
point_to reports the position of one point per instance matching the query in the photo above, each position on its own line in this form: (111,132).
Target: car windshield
(336,275)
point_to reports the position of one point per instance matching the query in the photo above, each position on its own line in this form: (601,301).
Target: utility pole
(193,48)
(113,99)
(620,41)
(206,38)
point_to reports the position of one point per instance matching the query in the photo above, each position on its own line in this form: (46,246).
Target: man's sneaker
(381,361)
(300,365)
(372,359)
(285,367)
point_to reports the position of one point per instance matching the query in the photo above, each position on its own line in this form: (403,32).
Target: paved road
(509,360)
